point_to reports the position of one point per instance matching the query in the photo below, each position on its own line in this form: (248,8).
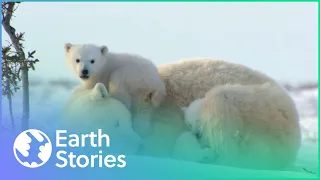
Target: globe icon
(32,148)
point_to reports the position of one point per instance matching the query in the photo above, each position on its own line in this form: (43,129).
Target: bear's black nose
(84,72)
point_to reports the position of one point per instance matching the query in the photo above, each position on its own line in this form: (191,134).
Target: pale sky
(279,39)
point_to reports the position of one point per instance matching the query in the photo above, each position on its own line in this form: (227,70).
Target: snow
(307,104)
(189,170)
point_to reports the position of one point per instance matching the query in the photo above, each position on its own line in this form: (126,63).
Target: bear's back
(197,76)
(137,72)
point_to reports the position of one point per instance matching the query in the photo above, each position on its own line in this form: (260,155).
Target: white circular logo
(32,148)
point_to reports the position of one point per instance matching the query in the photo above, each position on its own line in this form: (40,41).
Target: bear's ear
(99,92)
(184,109)
(67,47)
(104,50)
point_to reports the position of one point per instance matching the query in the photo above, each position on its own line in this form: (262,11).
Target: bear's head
(85,60)
(91,109)
(192,115)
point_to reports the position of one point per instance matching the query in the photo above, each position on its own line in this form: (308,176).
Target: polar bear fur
(190,79)
(171,137)
(234,98)
(254,126)
(132,79)
(191,115)
(92,109)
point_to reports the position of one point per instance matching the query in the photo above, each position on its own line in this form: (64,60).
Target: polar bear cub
(130,78)
(247,126)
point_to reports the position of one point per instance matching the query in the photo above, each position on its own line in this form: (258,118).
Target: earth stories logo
(33,148)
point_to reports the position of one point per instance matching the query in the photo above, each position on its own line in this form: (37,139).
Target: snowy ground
(307,104)
(46,103)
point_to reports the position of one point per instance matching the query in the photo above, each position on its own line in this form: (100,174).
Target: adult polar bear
(245,116)
(132,79)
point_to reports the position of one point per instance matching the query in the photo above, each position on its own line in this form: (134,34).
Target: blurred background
(279,39)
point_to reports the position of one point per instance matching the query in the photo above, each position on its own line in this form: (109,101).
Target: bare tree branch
(11,31)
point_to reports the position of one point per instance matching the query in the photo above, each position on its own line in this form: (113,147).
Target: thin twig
(308,171)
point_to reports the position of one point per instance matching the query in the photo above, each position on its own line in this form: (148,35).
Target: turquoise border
(226,1)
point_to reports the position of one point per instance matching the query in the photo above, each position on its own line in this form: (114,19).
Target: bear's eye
(148,97)
(92,61)
(77,60)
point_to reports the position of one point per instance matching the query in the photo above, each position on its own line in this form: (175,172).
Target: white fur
(132,79)
(85,53)
(92,109)
(244,124)
(188,148)
(192,114)
(246,116)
